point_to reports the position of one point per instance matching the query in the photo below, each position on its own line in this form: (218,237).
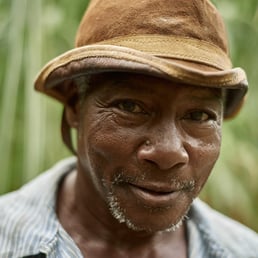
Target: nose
(165,149)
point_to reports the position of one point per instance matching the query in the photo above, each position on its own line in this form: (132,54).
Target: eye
(199,116)
(129,106)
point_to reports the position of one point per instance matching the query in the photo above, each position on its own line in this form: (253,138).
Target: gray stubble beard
(120,215)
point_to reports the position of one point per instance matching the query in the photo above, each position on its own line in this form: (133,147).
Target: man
(146,88)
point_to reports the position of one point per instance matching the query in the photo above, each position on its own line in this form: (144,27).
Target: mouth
(155,196)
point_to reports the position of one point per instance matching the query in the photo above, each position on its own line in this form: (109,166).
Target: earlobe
(66,128)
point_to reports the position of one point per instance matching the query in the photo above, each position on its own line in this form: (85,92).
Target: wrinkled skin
(146,147)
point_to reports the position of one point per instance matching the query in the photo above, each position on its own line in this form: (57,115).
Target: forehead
(145,84)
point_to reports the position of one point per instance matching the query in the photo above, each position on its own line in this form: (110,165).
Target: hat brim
(54,79)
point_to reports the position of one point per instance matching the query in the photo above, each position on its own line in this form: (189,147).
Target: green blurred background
(34,31)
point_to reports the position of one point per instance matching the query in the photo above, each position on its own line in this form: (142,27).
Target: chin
(150,228)
(151,220)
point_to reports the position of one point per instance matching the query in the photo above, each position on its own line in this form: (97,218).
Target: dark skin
(146,147)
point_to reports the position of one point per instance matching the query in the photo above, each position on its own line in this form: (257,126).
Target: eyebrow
(211,92)
(195,92)
(200,93)
(211,97)
(131,85)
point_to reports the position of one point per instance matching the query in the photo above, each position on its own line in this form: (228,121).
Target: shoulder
(17,216)
(28,215)
(237,239)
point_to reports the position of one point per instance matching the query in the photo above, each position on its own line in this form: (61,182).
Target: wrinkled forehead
(115,81)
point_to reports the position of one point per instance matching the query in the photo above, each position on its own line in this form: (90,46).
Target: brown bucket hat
(179,40)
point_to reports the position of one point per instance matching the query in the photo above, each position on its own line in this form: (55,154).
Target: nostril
(151,162)
(165,166)
(164,156)
(179,165)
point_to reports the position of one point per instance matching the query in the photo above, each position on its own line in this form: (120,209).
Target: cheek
(110,144)
(204,155)
(104,146)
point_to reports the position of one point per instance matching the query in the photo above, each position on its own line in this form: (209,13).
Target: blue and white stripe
(29,226)
(28,222)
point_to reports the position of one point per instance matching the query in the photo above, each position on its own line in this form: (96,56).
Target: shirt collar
(42,222)
(202,241)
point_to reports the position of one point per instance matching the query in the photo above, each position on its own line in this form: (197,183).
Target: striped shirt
(30,228)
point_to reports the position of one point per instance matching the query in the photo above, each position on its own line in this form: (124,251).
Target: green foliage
(34,31)
(233,187)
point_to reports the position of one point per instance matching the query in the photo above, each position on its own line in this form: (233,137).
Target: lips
(155,195)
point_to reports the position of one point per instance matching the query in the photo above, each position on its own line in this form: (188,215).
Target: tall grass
(10,86)
(233,187)
(34,31)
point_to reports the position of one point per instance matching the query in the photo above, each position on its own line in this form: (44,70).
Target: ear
(72,114)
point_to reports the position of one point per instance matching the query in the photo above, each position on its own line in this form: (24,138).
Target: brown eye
(199,116)
(129,106)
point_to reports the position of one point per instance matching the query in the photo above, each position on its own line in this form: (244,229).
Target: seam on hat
(176,71)
(175,47)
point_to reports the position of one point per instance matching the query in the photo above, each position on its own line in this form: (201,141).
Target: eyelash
(119,105)
(210,116)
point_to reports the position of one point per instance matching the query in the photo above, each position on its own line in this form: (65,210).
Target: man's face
(146,146)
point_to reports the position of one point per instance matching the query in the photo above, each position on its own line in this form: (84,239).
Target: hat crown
(108,19)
